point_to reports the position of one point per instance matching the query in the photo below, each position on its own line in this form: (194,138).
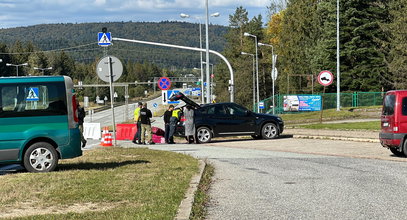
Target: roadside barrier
(91,131)
(106,138)
(125,131)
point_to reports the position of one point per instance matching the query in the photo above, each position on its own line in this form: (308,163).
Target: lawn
(371,125)
(105,183)
(331,115)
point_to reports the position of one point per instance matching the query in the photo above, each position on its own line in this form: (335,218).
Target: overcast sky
(16,13)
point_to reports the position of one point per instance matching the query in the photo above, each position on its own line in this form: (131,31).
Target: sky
(18,13)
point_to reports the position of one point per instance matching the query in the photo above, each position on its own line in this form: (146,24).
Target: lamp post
(182,15)
(254,75)
(208,88)
(273,69)
(257,69)
(211,81)
(43,69)
(17,65)
(338,75)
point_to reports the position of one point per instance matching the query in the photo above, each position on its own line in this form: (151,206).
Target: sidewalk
(359,136)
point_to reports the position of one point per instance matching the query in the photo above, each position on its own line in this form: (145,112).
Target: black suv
(229,119)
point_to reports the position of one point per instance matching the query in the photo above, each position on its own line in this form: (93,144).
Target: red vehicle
(393,133)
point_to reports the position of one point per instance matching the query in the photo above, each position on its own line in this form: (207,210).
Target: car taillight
(75,109)
(183,118)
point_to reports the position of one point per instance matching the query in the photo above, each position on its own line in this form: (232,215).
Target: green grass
(329,115)
(201,200)
(106,183)
(371,125)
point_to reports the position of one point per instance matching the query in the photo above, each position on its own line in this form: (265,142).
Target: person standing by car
(176,115)
(189,124)
(145,116)
(137,138)
(81,117)
(167,116)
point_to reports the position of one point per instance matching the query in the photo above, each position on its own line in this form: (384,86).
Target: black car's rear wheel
(204,135)
(269,131)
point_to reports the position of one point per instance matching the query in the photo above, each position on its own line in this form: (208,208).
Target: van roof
(24,79)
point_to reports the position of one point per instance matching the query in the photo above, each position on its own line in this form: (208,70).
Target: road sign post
(109,69)
(325,78)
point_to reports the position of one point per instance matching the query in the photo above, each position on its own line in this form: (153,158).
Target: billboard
(295,103)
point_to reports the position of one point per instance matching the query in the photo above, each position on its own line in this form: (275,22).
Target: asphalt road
(261,183)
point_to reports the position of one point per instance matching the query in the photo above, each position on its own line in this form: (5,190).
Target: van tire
(396,152)
(404,150)
(40,157)
(204,135)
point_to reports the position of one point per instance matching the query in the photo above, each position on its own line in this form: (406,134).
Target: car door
(242,122)
(219,119)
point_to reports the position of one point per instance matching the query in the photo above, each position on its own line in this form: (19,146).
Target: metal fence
(355,99)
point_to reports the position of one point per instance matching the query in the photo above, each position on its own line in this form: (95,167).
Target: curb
(184,209)
(370,140)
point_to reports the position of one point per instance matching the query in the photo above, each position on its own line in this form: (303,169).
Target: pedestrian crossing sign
(33,94)
(104,39)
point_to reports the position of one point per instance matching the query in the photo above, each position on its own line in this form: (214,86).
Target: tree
(395,46)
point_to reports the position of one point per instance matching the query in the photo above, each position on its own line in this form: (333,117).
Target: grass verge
(331,115)
(201,196)
(370,125)
(106,183)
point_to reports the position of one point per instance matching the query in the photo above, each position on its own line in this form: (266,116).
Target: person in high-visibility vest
(175,117)
(137,136)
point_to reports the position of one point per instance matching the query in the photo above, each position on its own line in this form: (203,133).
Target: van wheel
(404,148)
(269,131)
(40,157)
(396,152)
(204,135)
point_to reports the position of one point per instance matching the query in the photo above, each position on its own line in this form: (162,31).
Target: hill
(82,40)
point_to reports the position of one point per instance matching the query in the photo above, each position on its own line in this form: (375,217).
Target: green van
(38,121)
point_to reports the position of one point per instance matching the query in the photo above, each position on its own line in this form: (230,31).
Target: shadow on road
(98,166)
(249,139)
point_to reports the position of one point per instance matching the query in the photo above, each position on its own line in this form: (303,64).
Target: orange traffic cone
(106,138)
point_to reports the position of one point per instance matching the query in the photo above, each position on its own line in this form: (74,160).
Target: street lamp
(257,69)
(182,15)
(338,75)
(254,76)
(208,88)
(273,69)
(17,65)
(43,69)
(211,92)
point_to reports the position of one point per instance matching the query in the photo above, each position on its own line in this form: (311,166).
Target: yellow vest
(175,113)
(137,114)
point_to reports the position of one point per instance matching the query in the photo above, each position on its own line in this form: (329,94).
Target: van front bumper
(391,139)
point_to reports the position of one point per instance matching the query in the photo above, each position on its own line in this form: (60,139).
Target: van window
(404,106)
(388,104)
(32,99)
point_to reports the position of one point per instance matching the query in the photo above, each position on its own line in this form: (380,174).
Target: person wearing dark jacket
(81,117)
(145,116)
(167,116)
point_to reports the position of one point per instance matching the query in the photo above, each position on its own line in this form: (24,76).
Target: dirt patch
(26,209)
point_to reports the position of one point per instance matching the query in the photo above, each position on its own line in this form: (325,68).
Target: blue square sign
(104,39)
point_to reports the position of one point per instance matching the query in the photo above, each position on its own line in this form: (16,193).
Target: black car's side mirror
(247,112)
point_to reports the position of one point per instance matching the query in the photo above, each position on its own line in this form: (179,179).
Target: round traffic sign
(102,68)
(325,78)
(164,83)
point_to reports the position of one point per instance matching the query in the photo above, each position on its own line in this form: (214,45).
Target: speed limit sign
(325,78)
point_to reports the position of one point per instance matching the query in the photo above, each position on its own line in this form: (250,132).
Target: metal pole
(257,76)
(17,69)
(254,83)
(126,98)
(232,80)
(338,84)
(208,88)
(111,97)
(202,73)
(273,77)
